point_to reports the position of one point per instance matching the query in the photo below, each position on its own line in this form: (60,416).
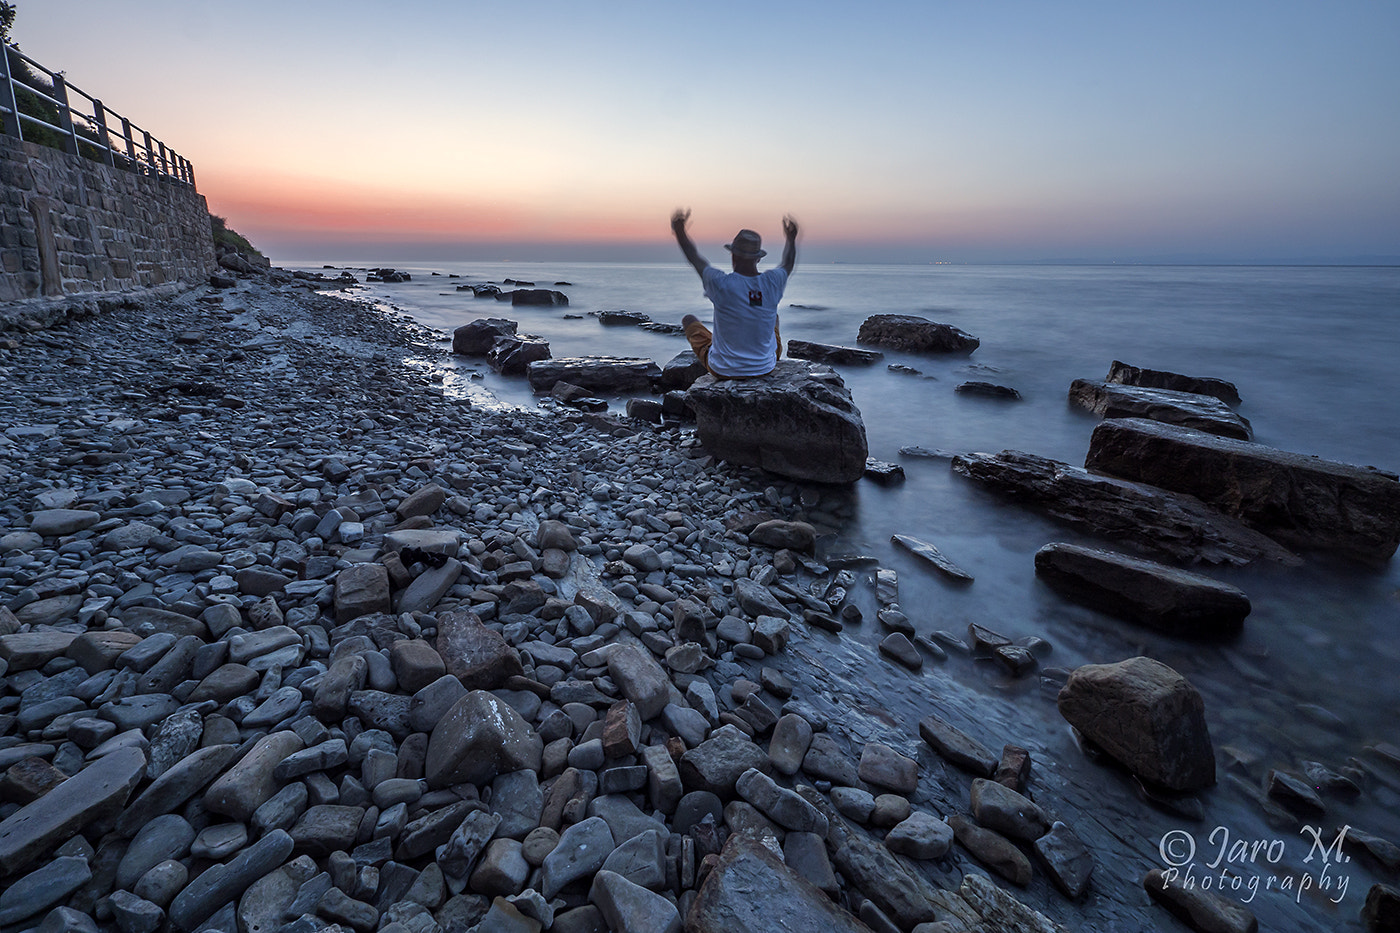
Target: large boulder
(1190,409)
(1300,500)
(1161,379)
(798,421)
(914,334)
(609,375)
(479,738)
(1145,716)
(512,356)
(1174,601)
(1152,519)
(477,338)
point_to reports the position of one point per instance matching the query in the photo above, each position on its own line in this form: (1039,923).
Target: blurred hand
(790,227)
(679,218)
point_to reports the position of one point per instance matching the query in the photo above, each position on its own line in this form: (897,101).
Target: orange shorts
(700,338)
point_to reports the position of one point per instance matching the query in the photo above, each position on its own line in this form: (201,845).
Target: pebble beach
(301,643)
(296,640)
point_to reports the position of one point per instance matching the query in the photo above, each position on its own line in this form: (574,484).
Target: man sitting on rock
(745,342)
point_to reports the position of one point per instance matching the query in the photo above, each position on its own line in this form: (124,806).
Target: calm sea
(1315,354)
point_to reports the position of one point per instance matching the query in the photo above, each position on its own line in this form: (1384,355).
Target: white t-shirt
(746,313)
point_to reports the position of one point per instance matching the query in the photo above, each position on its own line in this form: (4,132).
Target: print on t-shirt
(755,298)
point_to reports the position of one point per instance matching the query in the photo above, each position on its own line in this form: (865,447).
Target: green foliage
(231,239)
(7,19)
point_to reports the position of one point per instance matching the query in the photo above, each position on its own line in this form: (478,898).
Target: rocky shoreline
(295,640)
(215,717)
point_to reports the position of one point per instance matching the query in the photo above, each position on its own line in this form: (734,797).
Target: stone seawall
(74,227)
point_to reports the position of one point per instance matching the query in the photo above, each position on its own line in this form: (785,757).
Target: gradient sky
(901,131)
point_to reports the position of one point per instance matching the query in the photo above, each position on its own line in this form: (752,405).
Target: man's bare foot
(689,319)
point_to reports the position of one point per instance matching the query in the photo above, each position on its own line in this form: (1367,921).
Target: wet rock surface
(1302,501)
(799,421)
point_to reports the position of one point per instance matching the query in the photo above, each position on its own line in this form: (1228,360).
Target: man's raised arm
(790,246)
(692,255)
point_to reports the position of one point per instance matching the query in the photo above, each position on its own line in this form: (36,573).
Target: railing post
(164,160)
(130,146)
(150,152)
(65,115)
(99,115)
(11,121)
(189,168)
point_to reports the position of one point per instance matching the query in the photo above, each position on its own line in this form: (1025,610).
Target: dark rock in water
(882,472)
(1124,374)
(931,555)
(1146,717)
(914,334)
(1066,859)
(606,374)
(663,327)
(538,296)
(1198,909)
(798,421)
(901,368)
(521,283)
(957,747)
(987,390)
(1178,526)
(577,397)
(681,371)
(750,886)
(622,317)
(1189,409)
(1292,791)
(478,337)
(826,353)
(512,356)
(1300,500)
(1174,601)
(485,291)
(1017,661)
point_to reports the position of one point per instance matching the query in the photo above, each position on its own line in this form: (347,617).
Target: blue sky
(903,131)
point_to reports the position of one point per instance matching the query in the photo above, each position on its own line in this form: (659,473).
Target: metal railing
(94,131)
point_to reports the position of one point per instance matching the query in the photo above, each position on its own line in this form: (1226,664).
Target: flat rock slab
(799,421)
(1164,598)
(1155,520)
(957,746)
(606,374)
(1302,501)
(1189,409)
(931,555)
(1161,379)
(835,355)
(98,790)
(914,334)
(1145,716)
(751,888)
